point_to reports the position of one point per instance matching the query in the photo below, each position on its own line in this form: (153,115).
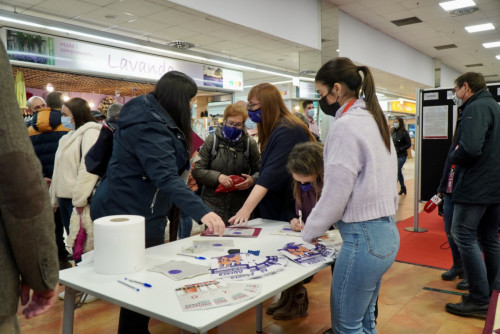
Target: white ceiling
(160,21)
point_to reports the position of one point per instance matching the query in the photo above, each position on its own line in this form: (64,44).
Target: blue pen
(128,285)
(147,285)
(193,255)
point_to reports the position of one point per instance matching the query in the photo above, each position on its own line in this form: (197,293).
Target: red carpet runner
(425,248)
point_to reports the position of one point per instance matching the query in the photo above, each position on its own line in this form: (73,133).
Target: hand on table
(241,217)
(40,301)
(295,225)
(214,223)
(248,183)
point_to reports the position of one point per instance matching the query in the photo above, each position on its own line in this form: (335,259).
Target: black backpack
(215,148)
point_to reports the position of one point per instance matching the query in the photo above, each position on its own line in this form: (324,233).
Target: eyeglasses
(235,125)
(251,106)
(40,106)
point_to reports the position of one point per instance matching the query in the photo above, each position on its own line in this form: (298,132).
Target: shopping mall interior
(109,51)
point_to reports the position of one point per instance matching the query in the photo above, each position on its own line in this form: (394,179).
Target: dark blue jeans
(401,179)
(475,227)
(65,209)
(448,219)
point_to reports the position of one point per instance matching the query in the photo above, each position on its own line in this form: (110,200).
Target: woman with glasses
(229,151)
(279,132)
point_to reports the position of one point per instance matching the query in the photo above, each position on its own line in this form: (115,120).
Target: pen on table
(128,285)
(300,220)
(193,255)
(147,285)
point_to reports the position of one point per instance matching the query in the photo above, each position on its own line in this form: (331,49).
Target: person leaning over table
(279,131)
(359,193)
(150,152)
(235,154)
(28,251)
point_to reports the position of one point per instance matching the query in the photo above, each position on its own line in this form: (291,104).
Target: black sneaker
(453,273)
(463,284)
(468,309)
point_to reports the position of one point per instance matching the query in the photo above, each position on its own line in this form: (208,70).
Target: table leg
(69,310)
(258,320)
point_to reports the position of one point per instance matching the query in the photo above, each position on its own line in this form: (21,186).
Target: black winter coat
(402,142)
(143,175)
(478,153)
(230,160)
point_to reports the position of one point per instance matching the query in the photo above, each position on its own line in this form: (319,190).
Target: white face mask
(396,125)
(456,100)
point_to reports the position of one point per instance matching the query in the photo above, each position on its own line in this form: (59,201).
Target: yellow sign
(404,106)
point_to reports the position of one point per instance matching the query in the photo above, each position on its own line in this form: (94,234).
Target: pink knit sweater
(360,174)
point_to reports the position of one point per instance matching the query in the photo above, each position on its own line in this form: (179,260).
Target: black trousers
(61,247)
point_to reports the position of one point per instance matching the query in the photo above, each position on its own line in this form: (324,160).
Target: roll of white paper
(119,244)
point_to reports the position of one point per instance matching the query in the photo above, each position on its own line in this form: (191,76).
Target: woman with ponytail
(359,193)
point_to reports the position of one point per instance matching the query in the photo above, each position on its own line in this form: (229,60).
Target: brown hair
(274,111)
(307,159)
(343,71)
(474,80)
(80,110)
(401,127)
(235,109)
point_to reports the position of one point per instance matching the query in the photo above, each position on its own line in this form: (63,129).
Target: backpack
(97,158)
(215,148)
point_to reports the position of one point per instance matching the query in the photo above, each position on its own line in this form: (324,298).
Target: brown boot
(297,305)
(285,296)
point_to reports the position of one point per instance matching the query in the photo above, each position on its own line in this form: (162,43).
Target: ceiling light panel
(491,45)
(480,27)
(456,4)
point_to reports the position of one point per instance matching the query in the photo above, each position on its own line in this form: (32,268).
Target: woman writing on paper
(359,193)
(150,152)
(279,131)
(305,163)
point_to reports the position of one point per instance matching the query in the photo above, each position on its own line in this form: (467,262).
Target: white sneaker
(61,296)
(86,298)
(82,298)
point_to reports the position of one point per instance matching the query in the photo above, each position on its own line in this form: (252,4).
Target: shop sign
(74,55)
(405,106)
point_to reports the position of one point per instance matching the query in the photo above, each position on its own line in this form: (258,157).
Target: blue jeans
(475,227)
(401,179)
(448,219)
(368,251)
(185,226)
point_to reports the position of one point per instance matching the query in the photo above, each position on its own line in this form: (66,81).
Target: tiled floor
(412,300)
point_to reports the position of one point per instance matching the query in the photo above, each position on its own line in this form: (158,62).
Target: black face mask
(329,109)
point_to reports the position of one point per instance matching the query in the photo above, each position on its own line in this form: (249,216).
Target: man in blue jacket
(45,131)
(476,193)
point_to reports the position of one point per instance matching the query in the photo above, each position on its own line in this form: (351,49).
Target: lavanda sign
(136,66)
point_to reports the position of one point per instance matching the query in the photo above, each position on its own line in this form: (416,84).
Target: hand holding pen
(300,220)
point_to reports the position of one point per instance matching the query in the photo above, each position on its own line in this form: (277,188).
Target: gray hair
(301,117)
(31,99)
(114,111)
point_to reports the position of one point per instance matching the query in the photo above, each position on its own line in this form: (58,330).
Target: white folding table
(160,302)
